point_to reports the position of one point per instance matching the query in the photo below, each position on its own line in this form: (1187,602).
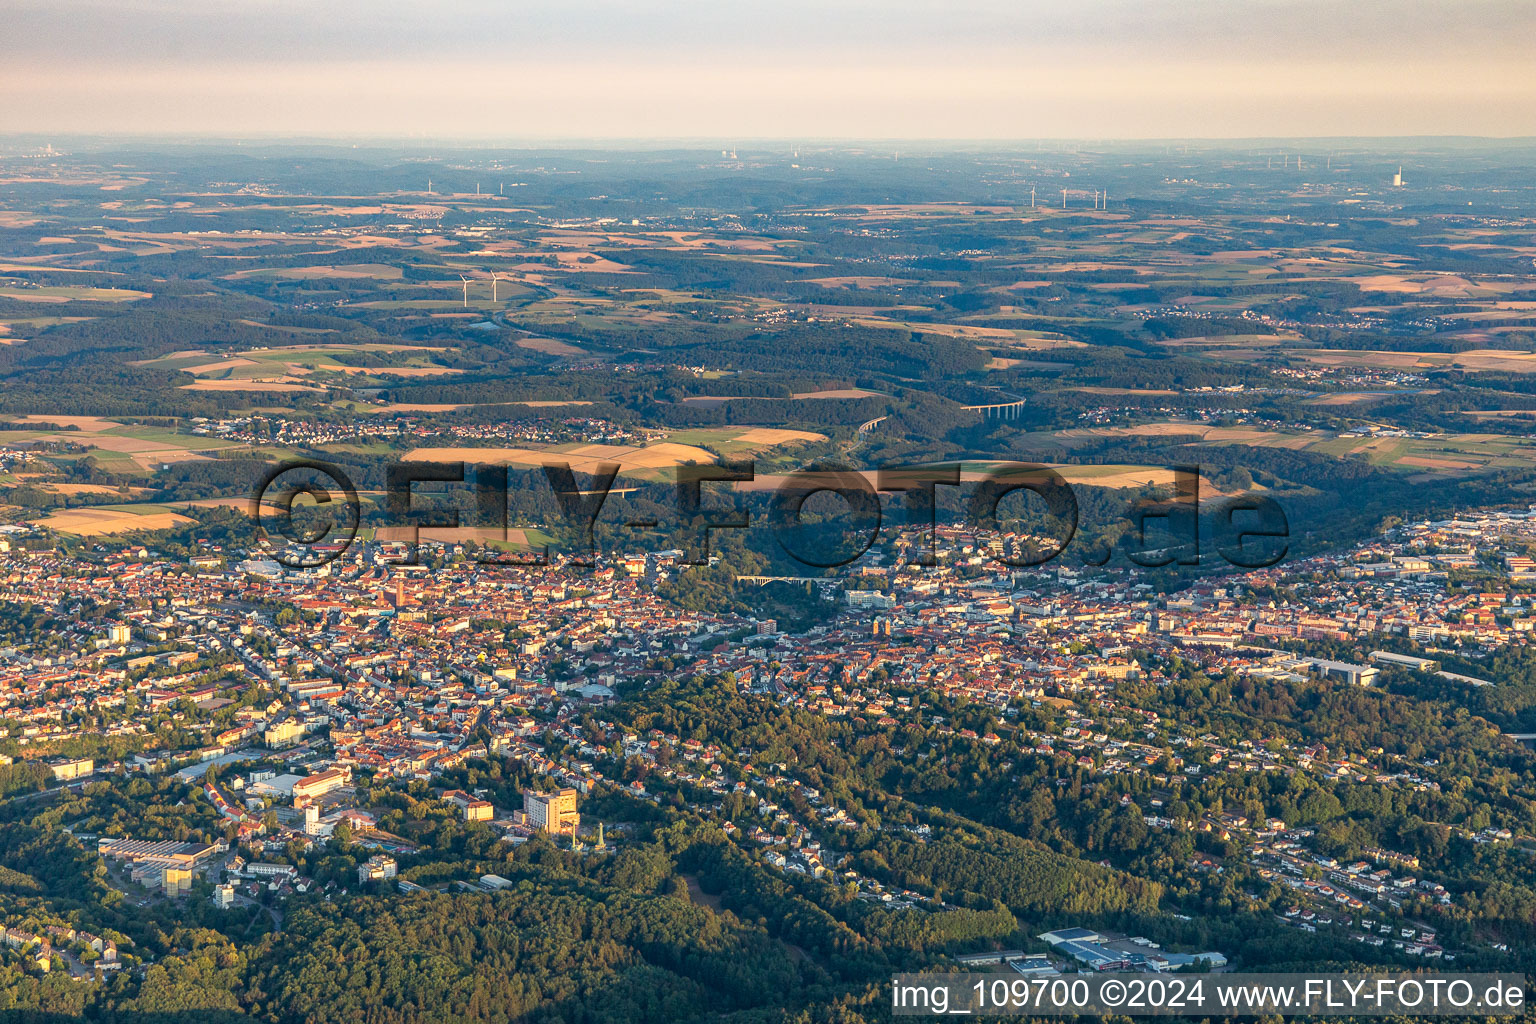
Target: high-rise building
(552,812)
(175,881)
(66,768)
(283,734)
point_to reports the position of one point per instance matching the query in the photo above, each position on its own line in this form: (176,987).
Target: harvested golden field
(1440,285)
(86,424)
(1431,463)
(1227,340)
(1113,477)
(453,535)
(838,393)
(1204,430)
(653,456)
(966,331)
(1342,399)
(73,293)
(584,458)
(247,385)
(352,271)
(775,435)
(550,347)
(129,445)
(1496,359)
(1121,476)
(1492,359)
(383,371)
(451,407)
(511,456)
(1482,414)
(76,489)
(222,364)
(859,282)
(581,263)
(1122,391)
(95,522)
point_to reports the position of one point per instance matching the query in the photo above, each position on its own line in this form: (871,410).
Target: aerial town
(299,684)
(1172,611)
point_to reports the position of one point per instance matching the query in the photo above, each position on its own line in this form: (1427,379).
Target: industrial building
(166,853)
(1100,953)
(1405,661)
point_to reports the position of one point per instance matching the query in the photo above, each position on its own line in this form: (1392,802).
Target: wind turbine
(1031,197)
(494,278)
(466,290)
(1063,199)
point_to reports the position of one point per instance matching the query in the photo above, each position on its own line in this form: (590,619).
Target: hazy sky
(505,70)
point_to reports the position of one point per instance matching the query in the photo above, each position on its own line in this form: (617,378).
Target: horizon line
(738,141)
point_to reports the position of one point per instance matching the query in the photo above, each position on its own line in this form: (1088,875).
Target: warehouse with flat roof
(161,853)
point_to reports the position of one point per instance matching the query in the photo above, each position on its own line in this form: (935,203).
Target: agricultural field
(119,519)
(299,367)
(651,461)
(1316,336)
(1392,449)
